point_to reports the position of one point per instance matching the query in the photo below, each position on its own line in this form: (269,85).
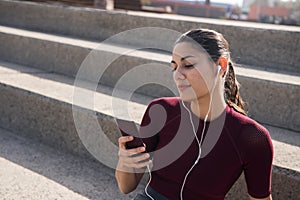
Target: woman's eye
(188,66)
(184,66)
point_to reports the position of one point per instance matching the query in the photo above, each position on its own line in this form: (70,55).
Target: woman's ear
(223,63)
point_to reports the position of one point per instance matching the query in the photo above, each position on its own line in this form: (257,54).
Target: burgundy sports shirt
(232,143)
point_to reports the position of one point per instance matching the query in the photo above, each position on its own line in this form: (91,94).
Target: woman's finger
(130,152)
(132,161)
(140,158)
(137,150)
(139,164)
(123,139)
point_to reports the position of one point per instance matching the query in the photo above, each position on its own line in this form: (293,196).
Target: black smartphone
(128,128)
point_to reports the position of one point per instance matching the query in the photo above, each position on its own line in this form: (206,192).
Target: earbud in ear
(223,63)
(219,69)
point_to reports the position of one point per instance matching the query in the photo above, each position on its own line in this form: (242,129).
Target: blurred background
(285,12)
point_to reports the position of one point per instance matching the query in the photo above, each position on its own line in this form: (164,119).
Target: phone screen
(128,128)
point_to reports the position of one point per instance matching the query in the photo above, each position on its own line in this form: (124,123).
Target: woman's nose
(178,74)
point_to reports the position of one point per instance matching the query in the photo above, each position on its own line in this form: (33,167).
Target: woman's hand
(131,159)
(130,168)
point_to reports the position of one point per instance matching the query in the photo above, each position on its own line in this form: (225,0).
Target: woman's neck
(200,106)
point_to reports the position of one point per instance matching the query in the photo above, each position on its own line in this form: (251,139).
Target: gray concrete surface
(30,170)
(65,55)
(271,46)
(37,105)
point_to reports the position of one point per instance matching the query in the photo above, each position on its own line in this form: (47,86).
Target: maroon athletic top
(233,143)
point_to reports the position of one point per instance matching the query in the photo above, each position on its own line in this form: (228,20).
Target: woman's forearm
(127,179)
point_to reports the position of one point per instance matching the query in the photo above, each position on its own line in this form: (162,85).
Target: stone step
(32,170)
(148,71)
(272,46)
(37,105)
(50,103)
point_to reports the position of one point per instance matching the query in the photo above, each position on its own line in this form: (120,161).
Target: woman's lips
(182,87)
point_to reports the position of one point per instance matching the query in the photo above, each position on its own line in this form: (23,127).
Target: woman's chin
(187,97)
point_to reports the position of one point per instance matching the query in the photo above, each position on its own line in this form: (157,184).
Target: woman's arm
(257,153)
(128,182)
(267,198)
(130,170)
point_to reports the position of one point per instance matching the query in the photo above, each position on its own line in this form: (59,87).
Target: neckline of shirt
(194,117)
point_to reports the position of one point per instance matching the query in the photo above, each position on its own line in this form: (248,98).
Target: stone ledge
(59,90)
(271,46)
(44,100)
(256,72)
(31,170)
(60,54)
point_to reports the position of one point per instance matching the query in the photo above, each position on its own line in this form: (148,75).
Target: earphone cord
(199,143)
(199,154)
(146,188)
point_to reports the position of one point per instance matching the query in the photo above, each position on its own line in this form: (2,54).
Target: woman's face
(194,72)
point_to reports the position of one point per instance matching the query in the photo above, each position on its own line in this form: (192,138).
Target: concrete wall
(39,111)
(269,46)
(276,94)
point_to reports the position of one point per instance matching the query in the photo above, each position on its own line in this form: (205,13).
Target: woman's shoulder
(249,129)
(166,101)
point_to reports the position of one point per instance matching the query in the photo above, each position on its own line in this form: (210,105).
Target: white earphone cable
(146,188)
(199,146)
(203,130)
(199,142)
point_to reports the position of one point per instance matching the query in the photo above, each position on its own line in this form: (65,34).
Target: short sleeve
(257,154)
(146,131)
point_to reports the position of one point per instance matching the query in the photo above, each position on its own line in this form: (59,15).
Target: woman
(225,142)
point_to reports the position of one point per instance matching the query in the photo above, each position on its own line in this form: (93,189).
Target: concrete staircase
(31,170)
(44,50)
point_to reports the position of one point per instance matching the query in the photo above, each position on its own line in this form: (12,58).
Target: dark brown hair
(216,46)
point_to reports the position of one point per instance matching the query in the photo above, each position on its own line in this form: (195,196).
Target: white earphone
(219,69)
(203,130)
(199,142)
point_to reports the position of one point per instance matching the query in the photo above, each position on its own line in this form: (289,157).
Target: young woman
(206,140)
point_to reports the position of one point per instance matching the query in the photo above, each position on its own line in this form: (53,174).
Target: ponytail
(232,95)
